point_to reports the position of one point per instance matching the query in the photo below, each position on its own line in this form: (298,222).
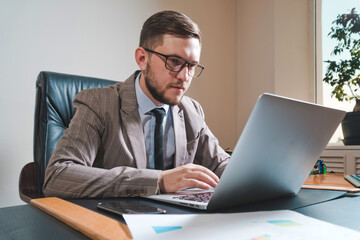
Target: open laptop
(275,153)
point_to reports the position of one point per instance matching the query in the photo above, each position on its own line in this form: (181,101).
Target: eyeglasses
(176,64)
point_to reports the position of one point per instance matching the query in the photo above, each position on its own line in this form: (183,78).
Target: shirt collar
(144,102)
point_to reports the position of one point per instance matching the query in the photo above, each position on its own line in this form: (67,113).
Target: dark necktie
(159,138)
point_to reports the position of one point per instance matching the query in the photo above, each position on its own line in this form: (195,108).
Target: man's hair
(167,22)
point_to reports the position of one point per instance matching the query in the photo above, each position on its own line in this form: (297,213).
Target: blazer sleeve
(71,172)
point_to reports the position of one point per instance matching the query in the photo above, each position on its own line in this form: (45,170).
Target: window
(330,9)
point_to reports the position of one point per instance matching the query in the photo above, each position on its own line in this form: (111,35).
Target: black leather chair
(55,93)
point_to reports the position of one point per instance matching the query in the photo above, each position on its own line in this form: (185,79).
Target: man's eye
(176,61)
(192,65)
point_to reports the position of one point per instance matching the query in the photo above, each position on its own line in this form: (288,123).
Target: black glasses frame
(186,62)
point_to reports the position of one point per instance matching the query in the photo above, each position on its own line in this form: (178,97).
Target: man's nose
(183,75)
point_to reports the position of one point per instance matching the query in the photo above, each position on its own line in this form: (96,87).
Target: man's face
(162,85)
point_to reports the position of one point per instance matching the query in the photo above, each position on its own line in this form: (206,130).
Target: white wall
(98,38)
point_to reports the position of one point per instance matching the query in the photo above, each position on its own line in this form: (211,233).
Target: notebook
(282,140)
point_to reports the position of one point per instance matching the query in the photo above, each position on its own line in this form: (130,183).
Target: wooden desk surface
(330,181)
(90,223)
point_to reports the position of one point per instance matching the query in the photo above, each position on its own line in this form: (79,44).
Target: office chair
(55,93)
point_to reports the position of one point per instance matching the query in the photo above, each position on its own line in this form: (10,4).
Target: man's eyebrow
(175,55)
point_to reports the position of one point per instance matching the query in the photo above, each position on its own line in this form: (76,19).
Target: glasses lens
(196,71)
(176,64)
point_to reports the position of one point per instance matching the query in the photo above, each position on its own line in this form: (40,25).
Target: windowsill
(337,144)
(341,146)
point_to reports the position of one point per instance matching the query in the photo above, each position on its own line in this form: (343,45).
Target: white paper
(266,225)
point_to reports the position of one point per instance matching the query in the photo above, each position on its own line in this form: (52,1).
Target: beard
(158,94)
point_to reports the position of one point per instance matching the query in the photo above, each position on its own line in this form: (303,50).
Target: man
(117,144)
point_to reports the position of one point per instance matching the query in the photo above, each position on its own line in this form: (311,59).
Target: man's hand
(189,175)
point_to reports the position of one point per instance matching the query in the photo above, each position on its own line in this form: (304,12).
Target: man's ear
(141,58)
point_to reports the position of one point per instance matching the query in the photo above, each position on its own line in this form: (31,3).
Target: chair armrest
(28,188)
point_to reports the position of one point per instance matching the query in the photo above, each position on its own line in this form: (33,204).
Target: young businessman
(141,136)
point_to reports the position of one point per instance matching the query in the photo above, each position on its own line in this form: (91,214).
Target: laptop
(275,153)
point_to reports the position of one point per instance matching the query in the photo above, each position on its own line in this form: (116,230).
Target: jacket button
(143,191)
(128,192)
(136,192)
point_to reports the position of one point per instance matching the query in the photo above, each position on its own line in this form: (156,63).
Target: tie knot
(159,114)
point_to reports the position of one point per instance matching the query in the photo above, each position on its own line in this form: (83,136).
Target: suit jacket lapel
(132,122)
(180,136)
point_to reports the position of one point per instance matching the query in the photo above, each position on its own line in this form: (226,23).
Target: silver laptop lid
(279,146)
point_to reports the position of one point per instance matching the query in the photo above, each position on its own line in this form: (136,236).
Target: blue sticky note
(162,229)
(284,223)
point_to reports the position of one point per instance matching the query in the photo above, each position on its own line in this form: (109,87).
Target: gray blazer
(102,153)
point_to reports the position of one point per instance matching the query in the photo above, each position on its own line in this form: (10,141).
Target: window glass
(330,10)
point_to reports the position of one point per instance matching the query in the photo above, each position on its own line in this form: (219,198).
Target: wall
(275,51)
(98,38)
(295,49)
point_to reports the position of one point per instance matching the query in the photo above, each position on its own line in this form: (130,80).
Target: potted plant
(343,73)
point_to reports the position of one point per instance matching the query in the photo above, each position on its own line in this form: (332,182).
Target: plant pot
(351,128)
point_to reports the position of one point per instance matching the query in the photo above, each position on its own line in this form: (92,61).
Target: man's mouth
(178,87)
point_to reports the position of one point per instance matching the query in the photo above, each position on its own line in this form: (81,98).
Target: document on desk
(266,225)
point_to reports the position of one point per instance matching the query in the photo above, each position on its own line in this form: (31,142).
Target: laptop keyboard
(353,179)
(199,197)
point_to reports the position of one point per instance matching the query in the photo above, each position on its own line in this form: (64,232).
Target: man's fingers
(202,177)
(196,184)
(190,175)
(212,175)
(199,168)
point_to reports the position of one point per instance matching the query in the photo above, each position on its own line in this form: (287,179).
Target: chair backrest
(55,93)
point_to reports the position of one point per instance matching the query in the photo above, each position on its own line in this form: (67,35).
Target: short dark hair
(167,22)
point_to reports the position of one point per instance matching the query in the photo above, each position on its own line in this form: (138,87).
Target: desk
(28,222)
(344,211)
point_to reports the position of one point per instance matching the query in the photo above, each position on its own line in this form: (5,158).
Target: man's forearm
(77,181)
